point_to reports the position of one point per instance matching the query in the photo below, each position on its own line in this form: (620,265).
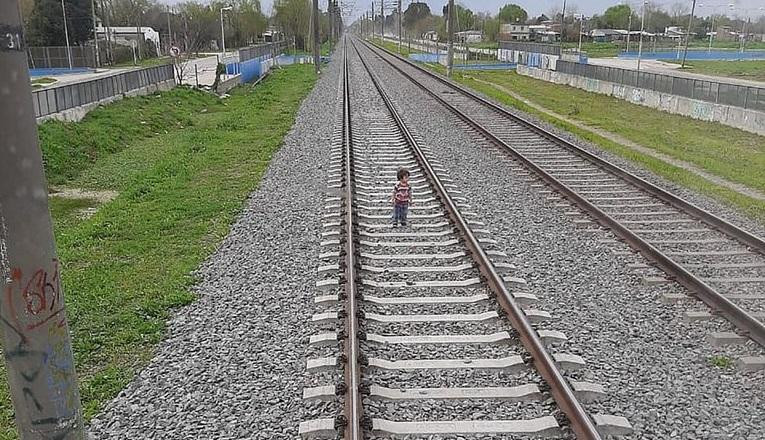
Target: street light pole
(66,34)
(95,33)
(36,344)
(688,34)
(316,46)
(640,46)
(450,40)
(222,30)
(399,27)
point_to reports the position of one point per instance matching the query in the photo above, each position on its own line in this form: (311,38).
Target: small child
(402,197)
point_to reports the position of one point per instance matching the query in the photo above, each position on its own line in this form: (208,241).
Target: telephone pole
(36,344)
(688,34)
(331,17)
(450,40)
(316,45)
(95,34)
(399,27)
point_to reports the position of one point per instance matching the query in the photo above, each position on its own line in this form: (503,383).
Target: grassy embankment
(730,153)
(182,163)
(753,70)
(733,154)
(38,83)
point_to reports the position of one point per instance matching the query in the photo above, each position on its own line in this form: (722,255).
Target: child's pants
(400,211)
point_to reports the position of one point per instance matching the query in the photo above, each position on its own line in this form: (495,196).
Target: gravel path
(656,368)
(232,363)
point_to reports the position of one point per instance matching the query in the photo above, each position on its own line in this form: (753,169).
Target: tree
(512,13)
(415,13)
(464,18)
(294,17)
(616,17)
(679,10)
(46,22)
(491,29)
(247,22)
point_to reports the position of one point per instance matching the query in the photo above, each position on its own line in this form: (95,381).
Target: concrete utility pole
(640,46)
(688,34)
(109,48)
(223,31)
(331,17)
(95,34)
(399,27)
(316,45)
(450,40)
(66,34)
(562,23)
(629,30)
(169,32)
(373,20)
(382,20)
(36,344)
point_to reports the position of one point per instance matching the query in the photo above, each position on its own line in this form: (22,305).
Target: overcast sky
(537,7)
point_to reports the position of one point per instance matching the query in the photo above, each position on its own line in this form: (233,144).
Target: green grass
(44,80)
(394,47)
(745,69)
(728,152)
(597,50)
(70,147)
(721,361)
(130,264)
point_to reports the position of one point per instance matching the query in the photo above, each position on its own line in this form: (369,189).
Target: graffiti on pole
(34,304)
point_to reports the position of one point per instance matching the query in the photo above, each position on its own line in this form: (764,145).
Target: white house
(471,36)
(125,35)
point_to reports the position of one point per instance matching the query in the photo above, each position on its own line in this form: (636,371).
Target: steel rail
(744,321)
(353,399)
(581,423)
(722,225)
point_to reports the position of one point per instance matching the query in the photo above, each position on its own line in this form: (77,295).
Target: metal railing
(549,49)
(56,99)
(259,50)
(735,95)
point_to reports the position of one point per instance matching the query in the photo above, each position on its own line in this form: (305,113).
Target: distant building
(607,35)
(542,33)
(471,36)
(126,35)
(515,32)
(674,32)
(430,35)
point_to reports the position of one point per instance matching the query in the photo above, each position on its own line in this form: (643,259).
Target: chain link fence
(259,50)
(747,97)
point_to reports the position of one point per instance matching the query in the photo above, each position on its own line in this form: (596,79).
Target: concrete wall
(75,114)
(748,120)
(225,86)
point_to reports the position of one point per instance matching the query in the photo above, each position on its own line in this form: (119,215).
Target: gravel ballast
(657,369)
(232,365)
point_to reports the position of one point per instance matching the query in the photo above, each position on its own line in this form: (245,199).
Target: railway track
(718,262)
(434,336)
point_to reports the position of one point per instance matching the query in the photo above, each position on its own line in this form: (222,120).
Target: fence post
(36,344)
